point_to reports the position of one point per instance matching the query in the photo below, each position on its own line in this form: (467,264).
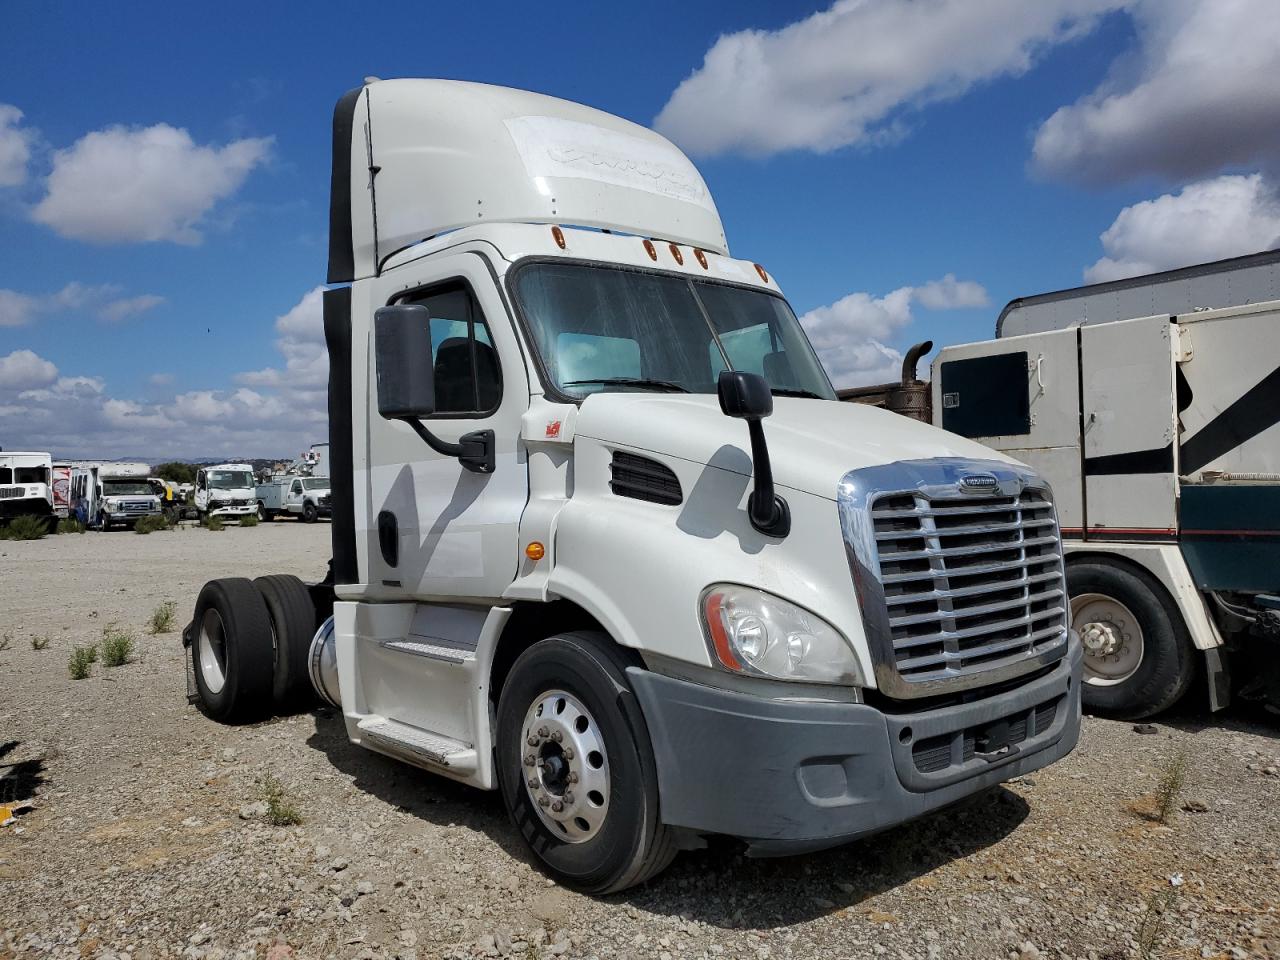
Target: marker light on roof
(559,237)
(702,257)
(760,270)
(650,250)
(675,252)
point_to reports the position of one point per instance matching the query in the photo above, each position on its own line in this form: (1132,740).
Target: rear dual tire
(249,647)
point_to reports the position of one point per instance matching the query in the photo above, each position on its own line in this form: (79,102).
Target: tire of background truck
(309,512)
(265,515)
(231,652)
(607,836)
(293,624)
(1139,659)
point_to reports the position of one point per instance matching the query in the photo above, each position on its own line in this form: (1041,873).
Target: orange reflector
(675,252)
(763,276)
(719,638)
(535,550)
(649,249)
(559,236)
(702,257)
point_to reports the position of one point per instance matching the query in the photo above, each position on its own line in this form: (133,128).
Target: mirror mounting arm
(475,450)
(768,512)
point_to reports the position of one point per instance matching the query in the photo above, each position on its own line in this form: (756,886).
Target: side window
(6,475)
(467,376)
(297,487)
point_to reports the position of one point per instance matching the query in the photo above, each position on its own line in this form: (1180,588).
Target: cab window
(468,379)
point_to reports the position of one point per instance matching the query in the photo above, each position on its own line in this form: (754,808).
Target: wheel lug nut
(568,797)
(543,801)
(568,753)
(533,741)
(557,806)
(557,736)
(542,731)
(533,783)
(530,760)
(573,778)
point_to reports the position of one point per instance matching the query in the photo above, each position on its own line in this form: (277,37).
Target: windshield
(603,328)
(126,488)
(230,479)
(316,483)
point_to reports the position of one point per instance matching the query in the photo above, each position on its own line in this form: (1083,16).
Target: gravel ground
(147,838)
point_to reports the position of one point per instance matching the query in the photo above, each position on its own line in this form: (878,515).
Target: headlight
(755,633)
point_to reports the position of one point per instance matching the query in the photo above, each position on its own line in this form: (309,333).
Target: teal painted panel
(1230,535)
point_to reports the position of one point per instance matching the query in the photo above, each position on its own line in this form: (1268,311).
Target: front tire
(1138,655)
(309,513)
(591,755)
(263,513)
(231,651)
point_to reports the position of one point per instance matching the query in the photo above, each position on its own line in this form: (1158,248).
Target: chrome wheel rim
(1111,636)
(565,767)
(211,651)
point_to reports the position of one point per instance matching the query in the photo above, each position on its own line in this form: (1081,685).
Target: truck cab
(603,537)
(225,490)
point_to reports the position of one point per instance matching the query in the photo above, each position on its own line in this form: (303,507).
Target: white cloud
(136,185)
(15,146)
(1210,220)
(849,334)
(272,412)
(18,309)
(1199,96)
(23,369)
(847,75)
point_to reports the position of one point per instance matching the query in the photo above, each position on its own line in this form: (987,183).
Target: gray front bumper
(790,776)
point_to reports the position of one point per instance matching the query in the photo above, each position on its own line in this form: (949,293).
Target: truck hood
(812,443)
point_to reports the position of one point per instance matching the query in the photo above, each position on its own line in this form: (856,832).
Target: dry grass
(81,660)
(162,618)
(117,646)
(1169,791)
(281,811)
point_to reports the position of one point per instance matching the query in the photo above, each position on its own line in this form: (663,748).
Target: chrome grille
(8,493)
(971,582)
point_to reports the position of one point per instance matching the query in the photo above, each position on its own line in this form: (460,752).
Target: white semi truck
(225,490)
(1152,406)
(604,540)
(26,486)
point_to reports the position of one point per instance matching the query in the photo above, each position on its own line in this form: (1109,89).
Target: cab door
(202,492)
(437,530)
(293,502)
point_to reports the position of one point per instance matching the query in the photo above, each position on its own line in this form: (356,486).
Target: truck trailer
(1152,407)
(605,540)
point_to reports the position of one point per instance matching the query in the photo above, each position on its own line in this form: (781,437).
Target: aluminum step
(433,648)
(419,745)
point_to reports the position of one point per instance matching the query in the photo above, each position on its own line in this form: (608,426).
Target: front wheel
(576,767)
(309,512)
(1138,656)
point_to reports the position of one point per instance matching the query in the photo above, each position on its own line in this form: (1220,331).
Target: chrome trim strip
(939,478)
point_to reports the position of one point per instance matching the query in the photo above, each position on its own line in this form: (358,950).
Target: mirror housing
(744,396)
(747,396)
(405,370)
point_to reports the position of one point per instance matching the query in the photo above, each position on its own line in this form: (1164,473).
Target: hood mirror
(746,396)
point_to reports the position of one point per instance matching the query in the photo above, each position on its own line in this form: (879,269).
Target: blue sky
(858,150)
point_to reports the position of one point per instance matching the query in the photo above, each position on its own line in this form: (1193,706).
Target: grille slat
(972,582)
(641,478)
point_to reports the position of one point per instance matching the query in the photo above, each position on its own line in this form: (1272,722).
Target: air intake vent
(643,479)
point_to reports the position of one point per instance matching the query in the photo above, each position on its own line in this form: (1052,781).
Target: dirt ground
(146,837)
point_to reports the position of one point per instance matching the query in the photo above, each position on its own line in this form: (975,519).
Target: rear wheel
(576,767)
(263,513)
(293,624)
(231,651)
(1138,656)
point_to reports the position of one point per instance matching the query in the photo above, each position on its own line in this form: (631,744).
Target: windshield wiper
(794,392)
(642,382)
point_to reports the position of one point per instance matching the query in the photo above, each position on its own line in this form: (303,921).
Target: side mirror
(746,396)
(406,373)
(406,383)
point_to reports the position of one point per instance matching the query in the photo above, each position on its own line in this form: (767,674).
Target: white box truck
(1152,406)
(26,486)
(604,539)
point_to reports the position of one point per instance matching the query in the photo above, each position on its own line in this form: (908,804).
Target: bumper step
(419,746)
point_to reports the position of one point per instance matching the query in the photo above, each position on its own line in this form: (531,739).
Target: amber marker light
(559,237)
(650,250)
(535,551)
(760,270)
(675,252)
(702,257)
(719,638)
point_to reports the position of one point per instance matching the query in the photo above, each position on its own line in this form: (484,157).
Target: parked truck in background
(1152,406)
(106,494)
(306,497)
(225,490)
(604,539)
(26,486)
